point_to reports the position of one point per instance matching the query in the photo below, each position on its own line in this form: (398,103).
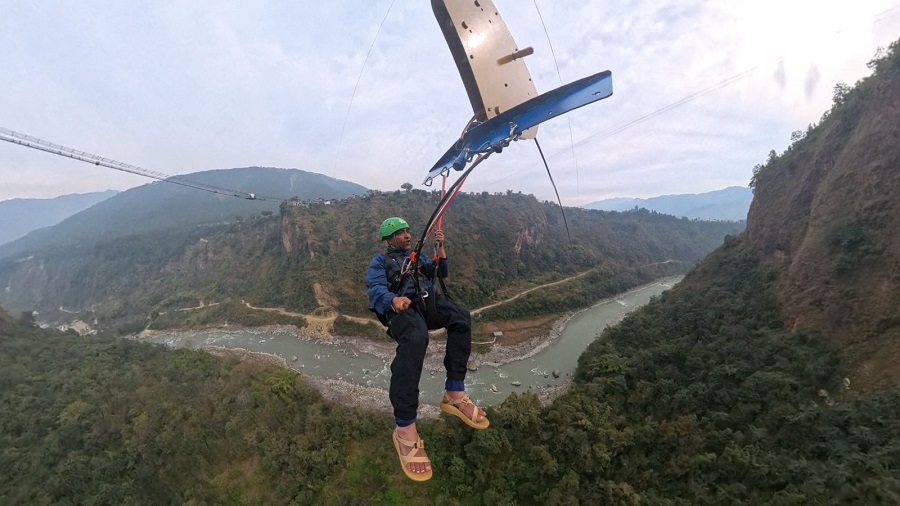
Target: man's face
(401,239)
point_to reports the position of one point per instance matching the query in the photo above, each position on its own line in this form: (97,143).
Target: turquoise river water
(487,385)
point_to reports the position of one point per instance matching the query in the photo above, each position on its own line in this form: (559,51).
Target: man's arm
(377,285)
(380,297)
(442,265)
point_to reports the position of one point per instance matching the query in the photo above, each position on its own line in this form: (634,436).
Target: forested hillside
(704,397)
(312,255)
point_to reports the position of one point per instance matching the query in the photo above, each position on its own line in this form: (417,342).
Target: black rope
(561,208)
(568,119)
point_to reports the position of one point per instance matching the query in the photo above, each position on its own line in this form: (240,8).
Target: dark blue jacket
(377,283)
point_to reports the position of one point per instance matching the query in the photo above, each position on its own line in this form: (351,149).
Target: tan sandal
(406,459)
(455,407)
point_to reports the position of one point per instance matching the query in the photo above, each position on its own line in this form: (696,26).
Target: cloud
(179,87)
(812,81)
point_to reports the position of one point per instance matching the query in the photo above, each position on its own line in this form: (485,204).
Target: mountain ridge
(158,205)
(730,203)
(18,217)
(310,253)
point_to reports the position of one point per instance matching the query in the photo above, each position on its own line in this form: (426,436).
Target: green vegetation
(579,293)
(703,397)
(230,312)
(343,326)
(852,243)
(158,207)
(113,421)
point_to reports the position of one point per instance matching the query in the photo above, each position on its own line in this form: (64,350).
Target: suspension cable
(57,149)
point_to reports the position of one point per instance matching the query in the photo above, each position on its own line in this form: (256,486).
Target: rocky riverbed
(375,398)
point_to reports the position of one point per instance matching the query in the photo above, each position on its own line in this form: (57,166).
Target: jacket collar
(396,251)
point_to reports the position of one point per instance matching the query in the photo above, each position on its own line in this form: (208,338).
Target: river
(488,385)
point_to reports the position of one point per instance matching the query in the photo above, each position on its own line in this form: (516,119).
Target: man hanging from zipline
(406,301)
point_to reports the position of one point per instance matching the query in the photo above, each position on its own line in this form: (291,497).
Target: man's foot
(411,451)
(459,405)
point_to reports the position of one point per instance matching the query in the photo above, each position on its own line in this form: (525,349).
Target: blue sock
(455,385)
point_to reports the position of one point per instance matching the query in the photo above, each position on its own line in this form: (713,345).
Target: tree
(406,186)
(756,170)
(881,54)
(840,94)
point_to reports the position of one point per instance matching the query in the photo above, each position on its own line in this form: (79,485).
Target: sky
(367,91)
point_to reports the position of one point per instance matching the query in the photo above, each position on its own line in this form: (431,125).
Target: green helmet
(391,225)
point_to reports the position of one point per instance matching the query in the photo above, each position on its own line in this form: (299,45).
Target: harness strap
(434,274)
(398,274)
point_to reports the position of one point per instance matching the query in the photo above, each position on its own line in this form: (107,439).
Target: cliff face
(826,216)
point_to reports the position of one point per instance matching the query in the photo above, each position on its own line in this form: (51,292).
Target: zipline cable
(356,86)
(568,119)
(57,149)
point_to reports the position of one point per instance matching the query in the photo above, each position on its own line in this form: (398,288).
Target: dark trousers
(410,329)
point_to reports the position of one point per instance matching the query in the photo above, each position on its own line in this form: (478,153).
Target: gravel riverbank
(374,398)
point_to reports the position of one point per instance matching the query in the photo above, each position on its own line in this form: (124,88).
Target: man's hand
(400,303)
(439,238)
